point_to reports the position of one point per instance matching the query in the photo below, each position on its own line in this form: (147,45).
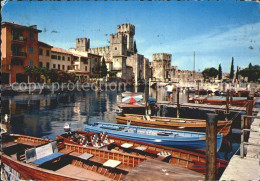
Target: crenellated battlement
(118,36)
(82,44)
(126,28)
(99,50)
(162,56)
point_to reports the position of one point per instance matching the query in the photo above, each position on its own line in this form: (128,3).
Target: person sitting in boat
(170,88)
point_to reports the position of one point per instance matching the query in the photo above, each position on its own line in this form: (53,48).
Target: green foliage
(103,68)
(112,73)
(231,75)
(219,72)
(237,72)
(135,49)
(252,72)
(210,72)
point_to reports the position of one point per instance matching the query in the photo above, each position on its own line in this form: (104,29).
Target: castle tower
(161,65)
(129,31)
(82,44)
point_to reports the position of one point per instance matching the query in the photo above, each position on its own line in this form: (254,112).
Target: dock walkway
(207,106)
(247,168)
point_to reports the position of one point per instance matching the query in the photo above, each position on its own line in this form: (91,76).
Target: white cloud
(214,47)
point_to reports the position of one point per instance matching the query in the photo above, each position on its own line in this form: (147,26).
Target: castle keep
(120,55)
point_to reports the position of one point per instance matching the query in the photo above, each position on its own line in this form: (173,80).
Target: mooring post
(161,110)
(231,96)
(211,146)
(188,95)
(178,102)
(249,112)
(227,106)
(146,98)
(242,136)
(156,92)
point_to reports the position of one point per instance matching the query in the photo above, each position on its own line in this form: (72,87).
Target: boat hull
(195,142)
(222,128)
(28,172)
(183,158)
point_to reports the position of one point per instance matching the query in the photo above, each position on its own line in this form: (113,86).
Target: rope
(233,118)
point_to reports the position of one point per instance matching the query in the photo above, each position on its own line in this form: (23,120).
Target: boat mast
(194,66)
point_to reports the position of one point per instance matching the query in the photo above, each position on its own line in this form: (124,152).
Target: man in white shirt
(169,89)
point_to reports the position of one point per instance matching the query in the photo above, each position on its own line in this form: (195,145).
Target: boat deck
(157,170)
(81,173)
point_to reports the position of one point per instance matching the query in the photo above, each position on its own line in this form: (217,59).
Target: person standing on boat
(169,89)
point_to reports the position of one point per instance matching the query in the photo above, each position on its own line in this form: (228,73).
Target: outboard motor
(67,127)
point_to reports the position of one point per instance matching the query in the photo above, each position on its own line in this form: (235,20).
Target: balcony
(20,39)
(18,54)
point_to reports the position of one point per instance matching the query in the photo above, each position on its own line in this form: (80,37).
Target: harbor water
(44,116)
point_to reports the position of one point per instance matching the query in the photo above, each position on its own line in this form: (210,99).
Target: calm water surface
(45,115)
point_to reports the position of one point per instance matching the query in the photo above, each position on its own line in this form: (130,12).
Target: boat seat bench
(47,158)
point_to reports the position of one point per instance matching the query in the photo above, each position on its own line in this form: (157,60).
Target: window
(31,63)
(40,51)
(53,56)
(59,66)
(40,64)
(63,67)
(68,58)
(115,48)
(48,53)
(58,57)
(31,50)
(48,65)
(68,67)
(63,58)
(86,68)
(31,36)
(54,66)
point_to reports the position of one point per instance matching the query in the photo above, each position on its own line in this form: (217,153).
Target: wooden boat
(166,137)
(219,100)
(29,158)
(181,158)
(135,108)
(172,123)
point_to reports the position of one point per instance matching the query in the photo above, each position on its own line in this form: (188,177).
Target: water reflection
(45,115)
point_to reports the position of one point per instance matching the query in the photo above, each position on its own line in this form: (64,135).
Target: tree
(252,72)
(103,68)
(135,49)
(53,75)
(29,70)
(219,72)
(112,73)
(210,72)
(237,72)
(231,75)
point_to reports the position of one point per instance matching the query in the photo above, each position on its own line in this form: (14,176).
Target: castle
(120,56)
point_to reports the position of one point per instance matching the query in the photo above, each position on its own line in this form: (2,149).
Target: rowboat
(30,158)
(166,137)
(220,100)
(181,158)
(223,127)
(58,160)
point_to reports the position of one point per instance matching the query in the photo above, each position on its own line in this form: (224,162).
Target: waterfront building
(85,64)
(44,55)
(19,49)
(61,59)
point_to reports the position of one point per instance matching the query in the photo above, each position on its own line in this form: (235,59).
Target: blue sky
(216,31)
